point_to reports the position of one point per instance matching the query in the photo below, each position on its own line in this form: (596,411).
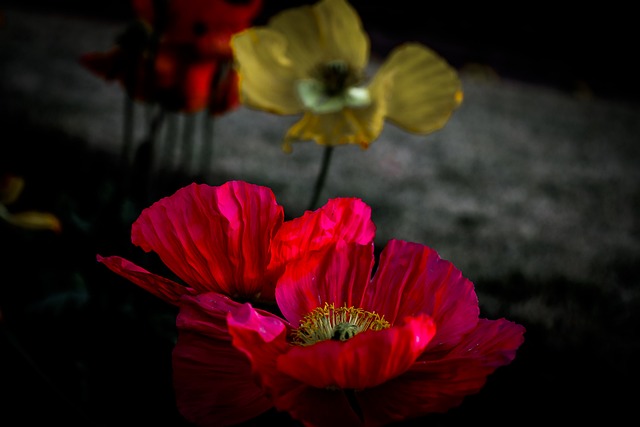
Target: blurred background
(532,189)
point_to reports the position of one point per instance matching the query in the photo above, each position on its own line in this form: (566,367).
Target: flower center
(331,323)
(332,87)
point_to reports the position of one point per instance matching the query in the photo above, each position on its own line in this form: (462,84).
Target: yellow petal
(267,75)
(11,187)
(328,30)
(350,126)
(34,220)
(422,90)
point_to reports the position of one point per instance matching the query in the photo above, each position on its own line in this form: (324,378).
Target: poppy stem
(322,176)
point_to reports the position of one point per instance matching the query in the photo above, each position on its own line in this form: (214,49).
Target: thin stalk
(322,176)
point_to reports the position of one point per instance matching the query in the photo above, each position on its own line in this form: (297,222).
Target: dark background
(567,46)
(83,347)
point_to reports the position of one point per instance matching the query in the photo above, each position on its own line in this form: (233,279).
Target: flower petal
(347,219)
(213,381)
(267,75)
(32,220)
(165,289)
(344,218)
(366,360)
(213,238)
(337,274)
(442,380)
(422,90)
(411,279)
(328,30)
(263,342)
(349,126)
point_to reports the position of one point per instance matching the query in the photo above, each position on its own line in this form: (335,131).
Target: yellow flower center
(332,87)
(331,323)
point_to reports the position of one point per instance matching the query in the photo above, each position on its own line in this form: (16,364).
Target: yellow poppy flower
(310,60)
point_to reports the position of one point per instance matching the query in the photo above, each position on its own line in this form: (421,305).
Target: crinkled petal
(165,289)
(336,275)
(213,381)
(422,89)
(345,218)
(440,381)
(359,126)
(366,360)
(213,238)
(267,74)
(412,278)
(328,30)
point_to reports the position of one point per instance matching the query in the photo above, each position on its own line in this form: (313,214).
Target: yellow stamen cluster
(331,323)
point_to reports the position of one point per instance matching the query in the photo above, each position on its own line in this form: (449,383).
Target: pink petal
(263,341)
(439,381)
(366,360)
(213,238)
(163,288)
(412,278)
(347,219)
(213,381)
(338,274)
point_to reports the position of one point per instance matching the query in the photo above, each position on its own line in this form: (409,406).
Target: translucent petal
(349,126)
(328,30)
(421,89)
(213,238)
(267,75)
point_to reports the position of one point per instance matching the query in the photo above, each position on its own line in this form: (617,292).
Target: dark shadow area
(80,346)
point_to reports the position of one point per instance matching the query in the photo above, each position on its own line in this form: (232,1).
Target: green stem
(322,176)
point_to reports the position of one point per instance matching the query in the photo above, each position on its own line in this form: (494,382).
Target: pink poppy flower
(227,243)
(357,350)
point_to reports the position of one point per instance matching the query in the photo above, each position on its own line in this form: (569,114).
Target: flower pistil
(333,86)
(340,324)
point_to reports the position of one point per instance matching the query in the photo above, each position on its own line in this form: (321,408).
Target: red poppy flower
(231,240)
(356,350)
(178,56)
(206,24)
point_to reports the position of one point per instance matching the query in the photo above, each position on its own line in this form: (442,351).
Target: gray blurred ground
(525,184)
(522,178)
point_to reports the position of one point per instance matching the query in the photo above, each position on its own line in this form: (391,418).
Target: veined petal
(366,360)
(212,379)
(213,238)
(441,380)
(347,219)
(422,90)
(165,289)
(412,278)
(344,218)
(267,74)
(337,275)
(328,30)
(349,126)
